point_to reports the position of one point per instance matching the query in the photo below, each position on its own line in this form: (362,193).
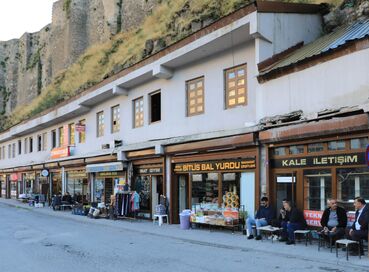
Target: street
(33,241)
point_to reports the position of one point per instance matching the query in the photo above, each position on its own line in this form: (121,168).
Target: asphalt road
(30,241)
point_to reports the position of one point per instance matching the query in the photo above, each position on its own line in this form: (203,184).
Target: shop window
(3,152)
(82,134)
(61,136)
(9,151)
(205,188)
(231,184)
(352,182)
(236,86)
(44,141)
(53,138)
(280,151)
(317,189)
(318,147)
(138,112)
(336,145)
(71,136)
(195,96)
(19,147)
(100,124)
(30,144)
(155,107)
(142,187)
(359,143)
(39,142)
(115,119)
(296,149)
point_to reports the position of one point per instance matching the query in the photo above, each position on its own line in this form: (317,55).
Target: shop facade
(215,180)
(148,180)
(312,170)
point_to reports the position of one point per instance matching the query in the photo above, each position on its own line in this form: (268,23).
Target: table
(269,230)
(160,218)
(347,243)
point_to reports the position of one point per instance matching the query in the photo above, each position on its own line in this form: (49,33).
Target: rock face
(31,62)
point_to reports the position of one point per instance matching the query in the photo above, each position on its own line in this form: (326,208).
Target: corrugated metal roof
(355,31)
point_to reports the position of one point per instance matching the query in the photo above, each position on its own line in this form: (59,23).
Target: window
(13,151)
(155,107)
(195,96)
(82,134)
(39,143)
(205,188)
(138,112)
(9,151)
(352,182)
(359,143)
(44,141)
(100,123)
(317,189)
(25,145)
(30,144)
(61,136)
(315,147)
(19,147)
(53,138)
(115,119)
(71,135)
(280,151)
(296,149)
(4,152)
(337,145)
(235,81)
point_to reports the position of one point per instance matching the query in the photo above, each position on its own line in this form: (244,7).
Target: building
(187,122)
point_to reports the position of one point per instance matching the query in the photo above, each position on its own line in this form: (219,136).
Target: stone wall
(30,63)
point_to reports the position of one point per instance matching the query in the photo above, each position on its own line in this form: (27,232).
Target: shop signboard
(66,135)
(60,152)
(30,176)
(45,173)
(216,166)
(316,161)
(109,174)
(150,170)
(80,127)
(104,167)
(77,174)
(14,177)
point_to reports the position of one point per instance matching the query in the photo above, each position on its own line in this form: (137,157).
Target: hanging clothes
(135,202)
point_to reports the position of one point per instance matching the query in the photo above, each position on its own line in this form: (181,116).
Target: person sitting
(296,222)
(67,199)
(78,198)
(263,217)
(359,229)
(334,221)
(56,202)
(284,216)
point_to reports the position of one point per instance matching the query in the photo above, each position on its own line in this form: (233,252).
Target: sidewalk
(219,239)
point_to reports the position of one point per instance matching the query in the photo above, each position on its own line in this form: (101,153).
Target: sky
(20,16)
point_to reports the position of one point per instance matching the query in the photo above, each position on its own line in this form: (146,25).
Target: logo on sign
(45,173)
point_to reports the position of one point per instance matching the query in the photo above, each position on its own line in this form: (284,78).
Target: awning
(104,167)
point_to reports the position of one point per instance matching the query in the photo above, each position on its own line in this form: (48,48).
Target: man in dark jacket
(296,222)
(334,221)
(263,217)
(359,229)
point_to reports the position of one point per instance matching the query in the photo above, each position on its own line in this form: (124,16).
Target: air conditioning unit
(105,146)
(116,143)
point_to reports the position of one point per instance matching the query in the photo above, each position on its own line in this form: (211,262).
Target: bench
(347,244)
(269,231)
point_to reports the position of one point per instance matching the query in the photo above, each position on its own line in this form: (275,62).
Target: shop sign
(316,161)
(30,176)
(104,167)
(108,174)
(77,174)
(45,173)
(216,166)
(14,177)
(80,127)
(150,171)
(60,152)
(313,218)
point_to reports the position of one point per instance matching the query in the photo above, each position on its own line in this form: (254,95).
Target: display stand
(132,215)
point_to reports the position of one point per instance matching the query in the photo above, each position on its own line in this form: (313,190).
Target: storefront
(77,184)
(215,182)
(2,185)
(28,184)
(14,178)
(148,181)
(105,177)
(311,171)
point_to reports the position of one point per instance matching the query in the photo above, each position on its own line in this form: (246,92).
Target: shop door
(108,190)
(156,191)
(286,187)
(180,196)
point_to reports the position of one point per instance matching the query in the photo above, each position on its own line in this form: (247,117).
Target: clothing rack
(123,207)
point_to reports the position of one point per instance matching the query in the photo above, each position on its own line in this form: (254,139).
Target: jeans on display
(255,222)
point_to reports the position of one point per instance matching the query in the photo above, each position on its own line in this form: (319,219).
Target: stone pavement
(217,239)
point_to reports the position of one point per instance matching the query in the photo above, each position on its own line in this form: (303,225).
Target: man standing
(359,229)
(263,217)
(334,221)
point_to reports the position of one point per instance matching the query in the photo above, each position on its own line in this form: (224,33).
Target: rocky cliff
(30,63)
